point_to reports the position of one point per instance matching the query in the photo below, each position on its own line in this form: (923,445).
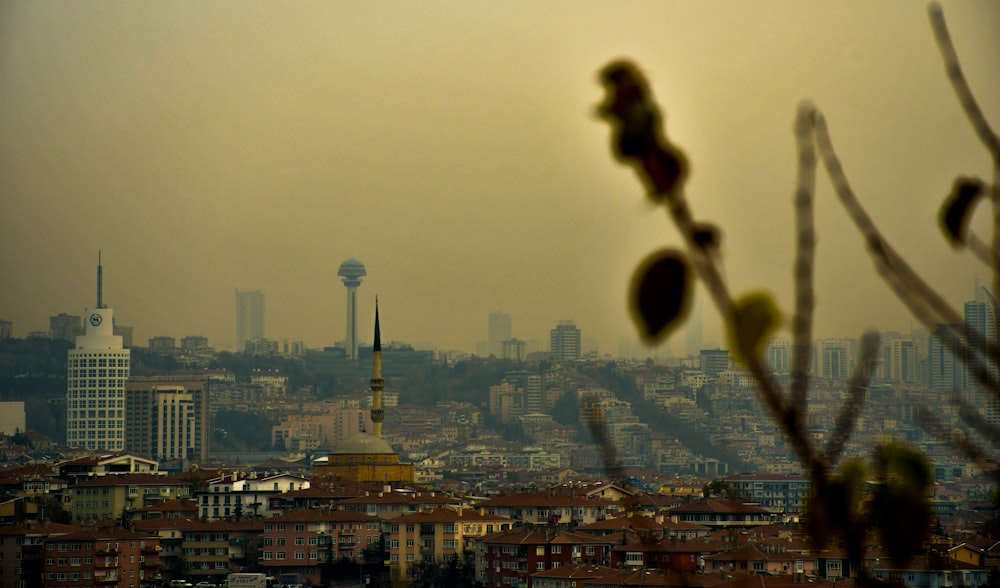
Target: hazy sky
(450,146)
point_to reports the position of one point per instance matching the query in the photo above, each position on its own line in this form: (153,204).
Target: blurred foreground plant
(662,287)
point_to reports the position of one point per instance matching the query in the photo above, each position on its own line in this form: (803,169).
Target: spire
(377,384)
(378,342)
(100,281)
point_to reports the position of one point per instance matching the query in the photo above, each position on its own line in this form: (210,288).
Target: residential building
(298,544)
(721,513)
(238,495)
(120,496)
(510,557)
(22,552)
(112,557)
(437,535)
(94,466)
(546,508)
(774,492)
(713,361)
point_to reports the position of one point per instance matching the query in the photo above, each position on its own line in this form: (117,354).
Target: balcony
(107,579)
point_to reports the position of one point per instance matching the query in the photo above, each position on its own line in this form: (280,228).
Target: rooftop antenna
(100,280)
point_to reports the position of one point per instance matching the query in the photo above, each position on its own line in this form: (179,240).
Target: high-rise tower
(498,330)
(97,369)
(352,271)
(564,341)
(249,318)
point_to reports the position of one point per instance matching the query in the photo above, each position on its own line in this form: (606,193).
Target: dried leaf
(957,209)
(752,320)
(637,131)
(660,294)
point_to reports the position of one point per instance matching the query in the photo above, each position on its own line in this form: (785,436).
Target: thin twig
(805,299)
(857,388)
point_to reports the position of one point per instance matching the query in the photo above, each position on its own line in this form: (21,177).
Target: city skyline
(455,151)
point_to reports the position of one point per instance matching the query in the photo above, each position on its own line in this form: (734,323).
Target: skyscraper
(168,417)
(249,318)
(498,330)
(352,271)
(944,369)
(564,341)
(97,369)
(981,328)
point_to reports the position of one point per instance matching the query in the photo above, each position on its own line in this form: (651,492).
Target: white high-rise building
(97,369)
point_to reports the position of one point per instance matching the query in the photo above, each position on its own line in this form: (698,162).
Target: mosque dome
(363,444)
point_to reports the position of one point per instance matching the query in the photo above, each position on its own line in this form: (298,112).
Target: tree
(662,286)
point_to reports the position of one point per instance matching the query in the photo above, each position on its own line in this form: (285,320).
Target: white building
(97,369)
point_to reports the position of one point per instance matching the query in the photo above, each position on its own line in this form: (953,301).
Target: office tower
(693,328)
(901,361)
(352,271)
(513,349)
(6,329)
(498,330)
(981,315)
(97,369)
(945,371)
(168,417)
(714,361)
(249,318)
(779,356)
(832,359)
(564,341)
(65,326)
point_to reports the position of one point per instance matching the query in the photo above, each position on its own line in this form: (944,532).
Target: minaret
(378,415)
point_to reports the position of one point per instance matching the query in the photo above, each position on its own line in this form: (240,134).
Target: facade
(168,417)
(6,329)
(351,272)
(298,544)
(944,369)
(113,497)
(65,326)
(239,496)
(249,318)
(442,534)
(22,552)
(510,558)
(564,342)
(714,361)
(97,369)
(722,513)
(114,558)
(774,492)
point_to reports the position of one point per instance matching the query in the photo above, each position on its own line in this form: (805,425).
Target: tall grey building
(564,341)
(498,330)
(249,318)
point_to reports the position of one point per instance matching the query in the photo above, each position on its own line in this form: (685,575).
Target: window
(540,550)
(590,550)
(557,549)
(540,566)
